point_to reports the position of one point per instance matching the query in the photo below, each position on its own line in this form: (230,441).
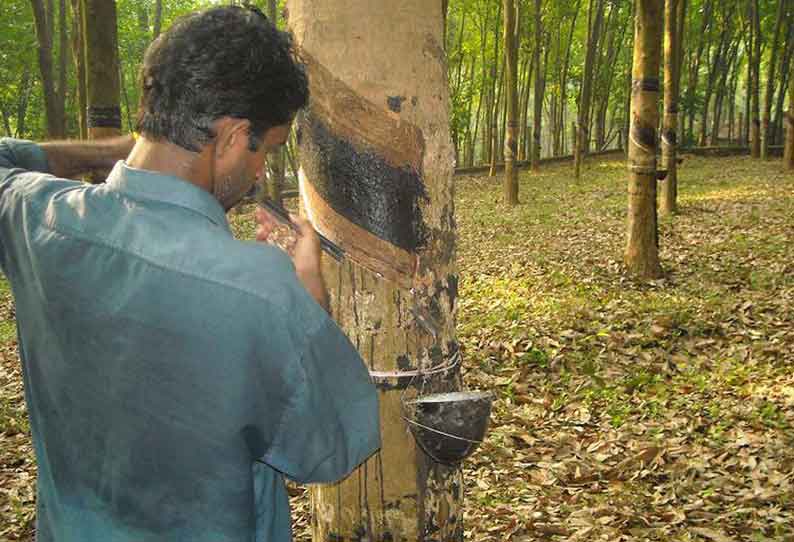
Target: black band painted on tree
(648,84)
(103,117)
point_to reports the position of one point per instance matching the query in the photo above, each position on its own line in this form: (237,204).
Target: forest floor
(626,410)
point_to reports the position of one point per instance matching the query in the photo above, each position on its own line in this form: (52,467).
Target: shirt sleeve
(17,155)
(19,160)
(331,422)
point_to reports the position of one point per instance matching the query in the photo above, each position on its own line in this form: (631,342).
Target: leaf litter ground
(626,410)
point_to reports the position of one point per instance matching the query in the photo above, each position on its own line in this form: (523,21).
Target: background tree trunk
(583,120)
(496,90)
(497,151)
(523,109)
(770,81)
(395,295)
(103,114)
(511,102)
(694,68)
(642,248)
(755,87)
(276,164)
(158,18)
(669,204)
(789,150)
(778,125)
(679,65)
(78,55)
(44,32)
(564,78)
(63,52)
(539,87)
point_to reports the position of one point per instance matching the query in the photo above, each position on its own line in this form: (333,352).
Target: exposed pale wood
(364,248)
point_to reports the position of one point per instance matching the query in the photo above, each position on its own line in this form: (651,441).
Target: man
(175,375)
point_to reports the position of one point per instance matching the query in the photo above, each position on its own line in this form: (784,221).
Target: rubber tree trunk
(511,103)
(496,87)
(564,77)
(539,87)
(668,203)
(78,54)
(63,57)
(54,109)
(276,164)
(582,145)
(103,113)
(770,81)
(158,18)
(103,116)
(376,178)
(681,16)
(642,248)
(789,150)
(755,87)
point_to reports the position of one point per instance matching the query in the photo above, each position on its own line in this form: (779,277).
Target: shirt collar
(167,188)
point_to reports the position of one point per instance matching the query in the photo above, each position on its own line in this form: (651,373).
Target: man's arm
(69,159)
(65,159)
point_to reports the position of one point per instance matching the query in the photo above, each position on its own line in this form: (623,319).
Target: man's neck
(169,159)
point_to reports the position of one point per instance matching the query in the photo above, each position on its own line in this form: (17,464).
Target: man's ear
(231,133)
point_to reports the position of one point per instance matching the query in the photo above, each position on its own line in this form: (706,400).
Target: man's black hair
(225,61)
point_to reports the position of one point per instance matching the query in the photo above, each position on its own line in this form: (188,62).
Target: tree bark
(496,86)
(730,93)
(497,150)
(395,293)
(778,125)
(54,114)
(694,68)
(275,162)
(523,108)
(63,48)
(7,122)
(158,18)
(719,65)
(642,248)
(511,102)
(583,120)
(564,78)
(755,89)
(78,55)
(723,87)
(749,91)
(539,87)
(789,150)
(669,197)
(616,41)
(103,114)
(600,99)
(770,81)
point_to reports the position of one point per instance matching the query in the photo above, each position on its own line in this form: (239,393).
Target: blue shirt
(173,374)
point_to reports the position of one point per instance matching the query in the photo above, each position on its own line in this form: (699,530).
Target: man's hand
(305,252)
